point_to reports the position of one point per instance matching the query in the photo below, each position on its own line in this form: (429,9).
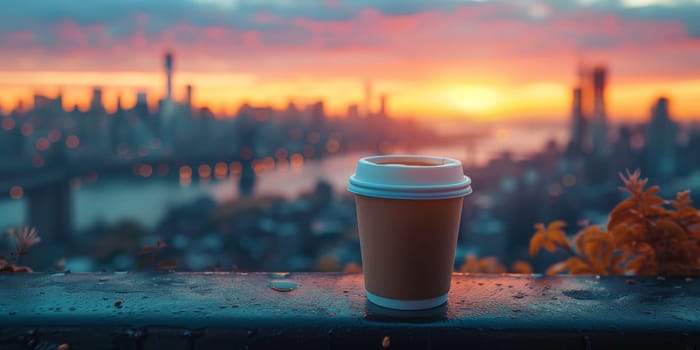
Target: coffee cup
(408,213)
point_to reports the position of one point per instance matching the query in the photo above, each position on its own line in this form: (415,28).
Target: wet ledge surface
(321,311)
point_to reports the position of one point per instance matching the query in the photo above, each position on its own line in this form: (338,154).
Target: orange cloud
(476,61)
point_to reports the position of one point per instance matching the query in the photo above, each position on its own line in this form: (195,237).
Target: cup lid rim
(466,182)
(444,179)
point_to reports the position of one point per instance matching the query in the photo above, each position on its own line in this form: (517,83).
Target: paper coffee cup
(408,213)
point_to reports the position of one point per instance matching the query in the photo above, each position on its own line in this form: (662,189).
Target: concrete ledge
(227,310)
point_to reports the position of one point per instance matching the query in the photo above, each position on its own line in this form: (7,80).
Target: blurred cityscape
(48,153)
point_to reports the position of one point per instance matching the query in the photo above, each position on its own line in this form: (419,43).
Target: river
(148,200)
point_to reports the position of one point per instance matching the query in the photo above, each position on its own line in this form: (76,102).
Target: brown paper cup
(408,244)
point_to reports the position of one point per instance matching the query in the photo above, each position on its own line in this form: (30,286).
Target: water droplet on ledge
(278,275)
(282,286)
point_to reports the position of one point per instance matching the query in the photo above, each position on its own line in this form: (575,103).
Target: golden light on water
(282,164)
(296,161)
(235,168)
(145,170)
(332,146)
(42,144)
(72,141)
(204,171)
(16,192)
(220,170)
(185,172)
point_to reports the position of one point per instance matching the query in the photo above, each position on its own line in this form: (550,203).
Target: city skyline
(480,60)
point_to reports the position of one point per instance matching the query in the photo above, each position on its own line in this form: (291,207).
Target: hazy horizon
(475,59)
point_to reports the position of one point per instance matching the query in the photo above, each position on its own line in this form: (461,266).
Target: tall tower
(599,118)
(169,75)
(96,104)
(576,143)
(368,98)
(188,96)
(661,141)
(141,98)
(353,112)
(382,106)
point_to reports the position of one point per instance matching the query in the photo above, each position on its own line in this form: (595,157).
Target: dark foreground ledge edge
(238,310)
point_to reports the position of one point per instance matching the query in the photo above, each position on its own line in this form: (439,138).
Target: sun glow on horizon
(453,99)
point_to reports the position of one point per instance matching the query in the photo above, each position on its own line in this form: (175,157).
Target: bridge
(47,191)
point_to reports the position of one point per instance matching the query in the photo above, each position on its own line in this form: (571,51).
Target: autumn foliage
(24,239)
(150,255)
(490,264)
(645,235)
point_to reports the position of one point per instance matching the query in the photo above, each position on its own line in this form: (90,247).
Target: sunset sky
(486,60)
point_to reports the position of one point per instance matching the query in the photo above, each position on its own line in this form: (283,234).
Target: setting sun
(474,99)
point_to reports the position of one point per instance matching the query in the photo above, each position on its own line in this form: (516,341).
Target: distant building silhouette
(166,108)
(589,124)
(96,103)
(169,75)
(661,141)
(142,98)
(353,111)
(578,124)
(120,108)
(599,122)
(188,97)
(382,106)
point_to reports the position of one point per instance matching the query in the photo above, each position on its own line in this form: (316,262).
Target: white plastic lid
(395,177)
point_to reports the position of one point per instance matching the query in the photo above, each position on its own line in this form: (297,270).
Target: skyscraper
(188,96)
(661,141)
(169,75)
(578,123)
(599,123)
(382,106)
(353,111)
(96,104)
(141,98)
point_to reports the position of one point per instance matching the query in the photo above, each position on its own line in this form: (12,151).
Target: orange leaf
(536,243)
(608,251)
(556,225)
(579,240)
(471,264)
(652,190)
(550,246)
(635,264)
(592,249)
(576,265)
(522,267)
(623,206)
(559,237)
(539,227)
